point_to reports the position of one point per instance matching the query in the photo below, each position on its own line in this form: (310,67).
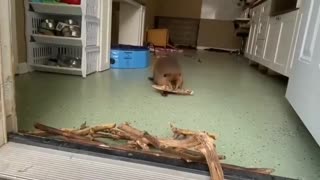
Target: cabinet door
(3,131)
(250,41)
(285,46)
(254,28)
(272,41)
(262,29)
(105,34)
(263,20)
(259,50)
(304,87)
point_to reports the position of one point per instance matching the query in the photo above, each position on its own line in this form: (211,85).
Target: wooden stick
(82,132)
(209,151)
(131,130)
(186,132)
(55,131)
(135,134)
(152,140)
(68,129)
(188,142)
(181,152)
(144,138)
(142,144)
(83,125)
(103,127)
(170,148)
(123,135)
(105,135)
(186,92)
(85,130)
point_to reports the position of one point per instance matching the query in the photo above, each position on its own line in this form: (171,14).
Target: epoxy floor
(248,109)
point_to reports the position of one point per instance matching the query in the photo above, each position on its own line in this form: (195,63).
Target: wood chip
(177,91)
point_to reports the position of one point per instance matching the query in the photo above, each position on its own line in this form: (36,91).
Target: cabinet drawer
(262,29)
(255,15)
(259,50)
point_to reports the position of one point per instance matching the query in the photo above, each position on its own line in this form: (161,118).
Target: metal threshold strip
(29,157)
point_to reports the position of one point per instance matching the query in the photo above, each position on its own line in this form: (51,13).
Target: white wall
(105,33)
(131,24)
(220,9)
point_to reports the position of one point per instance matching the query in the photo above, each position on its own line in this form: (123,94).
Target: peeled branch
(186,132)
(55,131)
(188,145)
(103,127)
(209,151)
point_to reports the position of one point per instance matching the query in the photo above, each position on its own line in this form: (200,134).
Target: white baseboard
(22,68)
(225,49)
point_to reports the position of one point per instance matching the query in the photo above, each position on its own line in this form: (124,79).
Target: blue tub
(129,57)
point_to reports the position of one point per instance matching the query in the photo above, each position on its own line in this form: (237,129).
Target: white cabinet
(257,35)
(251,41)
(264,10)
(252,34)
(304,87)
(272,42)
(271,39)
(286,42)
(259,50)
(70,54)
(279,42)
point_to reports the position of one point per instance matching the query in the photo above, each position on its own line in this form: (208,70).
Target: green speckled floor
(257,126)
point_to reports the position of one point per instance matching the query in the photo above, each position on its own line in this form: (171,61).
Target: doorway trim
(8,118)
(3,130)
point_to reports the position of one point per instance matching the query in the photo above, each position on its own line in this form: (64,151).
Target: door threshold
(20,161)
(72,155)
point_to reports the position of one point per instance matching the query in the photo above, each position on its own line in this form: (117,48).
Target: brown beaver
(167,71)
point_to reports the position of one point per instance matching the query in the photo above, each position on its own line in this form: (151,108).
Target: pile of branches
(188,145)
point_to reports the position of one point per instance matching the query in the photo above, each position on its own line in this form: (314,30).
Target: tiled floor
(248,109)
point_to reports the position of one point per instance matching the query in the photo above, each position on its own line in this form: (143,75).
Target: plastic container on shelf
(44,46)
(39,57)
(71,1)
(90,30)
(129,57)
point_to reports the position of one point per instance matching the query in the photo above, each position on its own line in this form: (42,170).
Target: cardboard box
(158,37)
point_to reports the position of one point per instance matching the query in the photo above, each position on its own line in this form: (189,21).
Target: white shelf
(56,69)
(56,8)
(59,40)
(43,47)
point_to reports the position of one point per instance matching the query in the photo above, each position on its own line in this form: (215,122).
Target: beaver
(167,71)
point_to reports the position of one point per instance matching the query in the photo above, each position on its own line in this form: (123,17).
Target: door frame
(8,118)
(3,129)
(131,23)
(302,91)
(105,35)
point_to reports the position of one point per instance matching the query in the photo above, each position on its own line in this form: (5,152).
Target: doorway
(246,107)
